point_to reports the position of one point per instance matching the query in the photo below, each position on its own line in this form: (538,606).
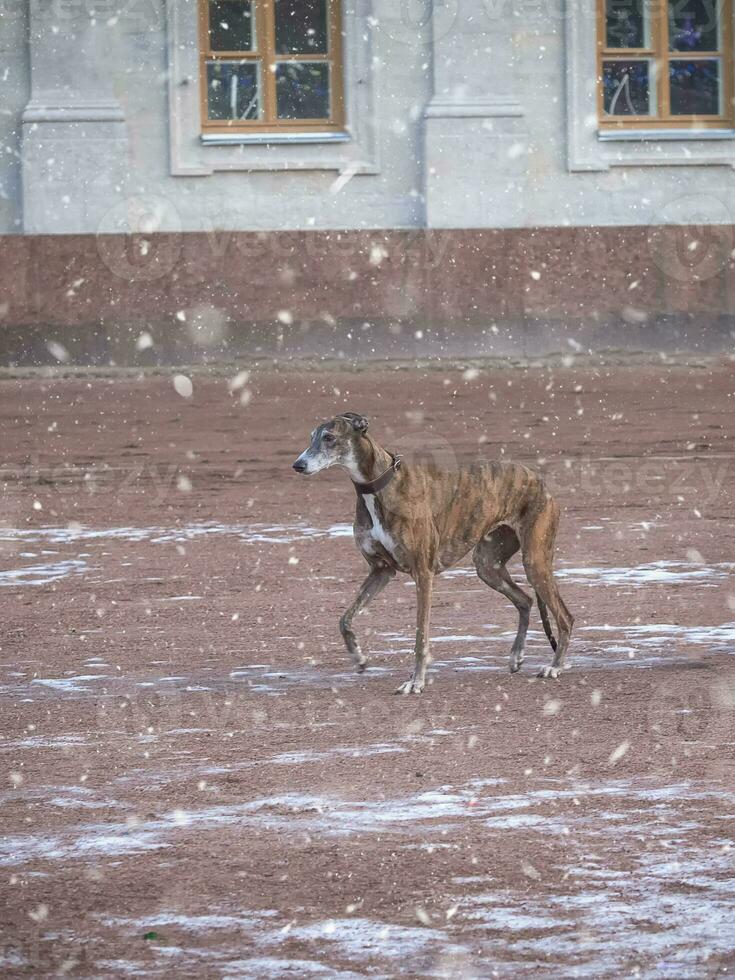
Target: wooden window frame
(659,56)
(265,53)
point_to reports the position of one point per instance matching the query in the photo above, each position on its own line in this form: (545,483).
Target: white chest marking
(378,532)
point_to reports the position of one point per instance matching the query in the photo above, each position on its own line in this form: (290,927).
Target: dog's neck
(368,460)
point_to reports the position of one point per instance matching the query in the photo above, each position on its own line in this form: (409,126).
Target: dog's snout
(300,466)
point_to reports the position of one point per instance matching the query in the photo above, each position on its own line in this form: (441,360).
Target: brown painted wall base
(522,292)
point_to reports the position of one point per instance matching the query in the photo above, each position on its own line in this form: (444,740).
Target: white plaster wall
(514,173)
(14,93)
(511,173)
(243,200)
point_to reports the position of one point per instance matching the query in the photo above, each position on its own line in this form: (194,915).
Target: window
(664,64)
(271,65)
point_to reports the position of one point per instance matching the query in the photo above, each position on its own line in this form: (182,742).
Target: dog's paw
(410,687)
(515,665)
(361,665)
(554,673)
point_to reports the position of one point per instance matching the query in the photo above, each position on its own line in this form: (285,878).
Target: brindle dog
(421,520)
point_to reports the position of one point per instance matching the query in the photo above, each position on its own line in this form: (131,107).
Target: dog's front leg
(372,586)
(424,586)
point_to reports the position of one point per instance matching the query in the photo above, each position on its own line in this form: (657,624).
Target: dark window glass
(302,90)
(627,88)
(625,24)
(232,90)
(693,25)
(301,26)
(231,25)
(695,87)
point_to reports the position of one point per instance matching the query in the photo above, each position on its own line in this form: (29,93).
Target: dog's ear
(358,422)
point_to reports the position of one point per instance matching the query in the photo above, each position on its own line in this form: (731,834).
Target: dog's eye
(328,438)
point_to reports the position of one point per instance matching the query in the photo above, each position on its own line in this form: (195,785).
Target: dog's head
(333,443)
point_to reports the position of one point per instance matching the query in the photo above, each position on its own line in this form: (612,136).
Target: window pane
(232,90)
(301,26)
(627,88)
(693,25)
(231,25)
(626,24)
(302,90)
(695,87)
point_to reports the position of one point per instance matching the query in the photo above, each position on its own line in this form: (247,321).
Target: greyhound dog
(421,520)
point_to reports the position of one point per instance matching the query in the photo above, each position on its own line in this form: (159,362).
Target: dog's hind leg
(373,585)
(490,556)
(546,622)
(538,556)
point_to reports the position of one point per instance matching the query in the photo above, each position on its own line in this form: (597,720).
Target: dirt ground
(194,784)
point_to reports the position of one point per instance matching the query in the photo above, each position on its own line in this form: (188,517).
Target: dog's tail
(545,620)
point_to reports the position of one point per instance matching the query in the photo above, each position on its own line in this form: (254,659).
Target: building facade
(584,129)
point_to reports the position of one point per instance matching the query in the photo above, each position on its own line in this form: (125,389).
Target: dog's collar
(375,486)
